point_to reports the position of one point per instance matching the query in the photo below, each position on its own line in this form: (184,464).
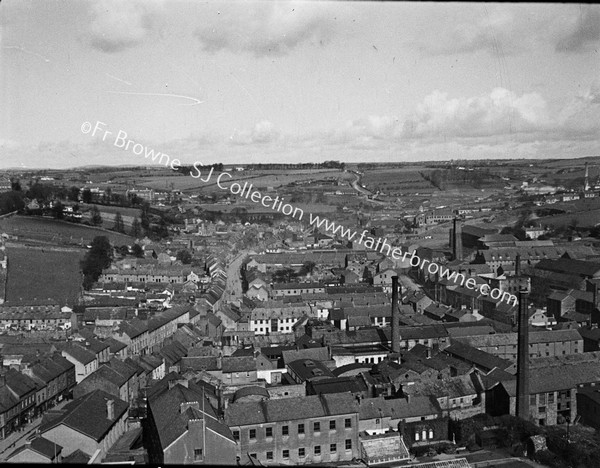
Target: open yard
(57,232)
(40,273)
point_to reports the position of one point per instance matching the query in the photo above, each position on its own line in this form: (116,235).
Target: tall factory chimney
(456,240)
(518,265)
(395,316)
(523,358)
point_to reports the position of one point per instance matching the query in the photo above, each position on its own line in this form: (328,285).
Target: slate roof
(350,384)
(87,415)
(7,399)
(398,408)
(114,345)
(238,364)
(563,372)
(316,354)
(171,423)
(20,384)
(39,445)
(567,265)
(80,354)
(452,387)
(480,358)
(290,409)
(510,339)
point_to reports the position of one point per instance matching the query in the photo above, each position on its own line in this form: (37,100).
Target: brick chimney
(523,358)
(110,410)
(395,316)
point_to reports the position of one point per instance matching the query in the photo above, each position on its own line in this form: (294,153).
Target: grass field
(43,274)
(260,179)
(57,232)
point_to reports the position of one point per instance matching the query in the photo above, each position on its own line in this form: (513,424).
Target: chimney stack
(110,410)
(523,359)
(518,265)
(456,238)
(395,316)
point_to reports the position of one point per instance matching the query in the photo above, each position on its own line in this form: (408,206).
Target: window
(550,398)
(300,428)
(332,425)
(285,430)
(269,455)
(332,448)
(542,409)
(198,455)
(532,399)
(269,432)
(286,454)
(253,455)
(301,452)
(317,450)
(347,422)
(252,433)
(236,435)
(417,435)
(431,433)
(542,398)
(317,427)
(348,444)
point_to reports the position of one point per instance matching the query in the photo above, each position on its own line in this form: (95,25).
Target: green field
(57,232)
(39,274)
(259,179)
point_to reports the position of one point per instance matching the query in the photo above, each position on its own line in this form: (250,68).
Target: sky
(264,81)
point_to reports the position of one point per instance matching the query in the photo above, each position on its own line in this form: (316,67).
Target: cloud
(583,31)
(580,118)
(118,25)
(501,30)
(263,132)
(500,112)
(265,28)
(512,29)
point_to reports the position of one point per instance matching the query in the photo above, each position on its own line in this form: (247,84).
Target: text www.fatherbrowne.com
(278,204)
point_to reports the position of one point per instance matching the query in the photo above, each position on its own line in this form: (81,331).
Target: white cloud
(265,28)
(263,132)
(118,25)
(497,113)
(513,28)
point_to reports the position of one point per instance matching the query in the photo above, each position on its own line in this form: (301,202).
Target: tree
(97,259)
(15,185)
(137,250)
(367,276)
(307,268)
(136,228)
(86,195)
(74,194)
(145,215)
(11,201)
(119,226)
(96,216)
(184,256)
(58,210)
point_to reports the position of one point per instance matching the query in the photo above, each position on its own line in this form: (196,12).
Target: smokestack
(523,359)
(395,316)
(518,265)
(110,410)
(457,240)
